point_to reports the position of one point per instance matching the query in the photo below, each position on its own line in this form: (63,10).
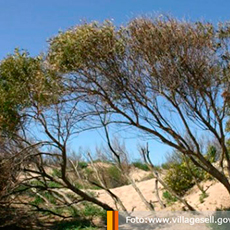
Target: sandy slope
(218,196)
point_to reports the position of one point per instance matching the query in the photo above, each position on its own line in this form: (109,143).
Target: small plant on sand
(202,197)
(169,198)
(90,211)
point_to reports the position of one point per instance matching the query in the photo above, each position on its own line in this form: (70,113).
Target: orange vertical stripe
(109,220)
(115,220)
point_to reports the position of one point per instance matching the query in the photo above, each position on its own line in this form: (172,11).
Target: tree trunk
(157,194)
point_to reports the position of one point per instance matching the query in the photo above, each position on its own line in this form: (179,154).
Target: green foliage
(49,196)
(111,176)
(85,44)
(91,210)
(21,188)
(16,71)
(88,171)
(203,195)
(179,178)
(56,172)
(73,212)
(37,201)
(114,172)
(102,161)
(211,154)
(78,185)
(82,164)
(169,198)
(85,185)
(141,165)
(88,212)
(114,177)
(166,165)
(23,80)
(37,183)
(52,184)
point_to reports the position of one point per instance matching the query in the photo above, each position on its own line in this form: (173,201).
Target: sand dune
(218,196)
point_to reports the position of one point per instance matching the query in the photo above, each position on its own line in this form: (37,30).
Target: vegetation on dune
(182,174)
(141,165)
(168,197)
(166,79)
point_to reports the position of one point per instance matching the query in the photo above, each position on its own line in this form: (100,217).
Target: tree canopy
(24,82)
(167,79)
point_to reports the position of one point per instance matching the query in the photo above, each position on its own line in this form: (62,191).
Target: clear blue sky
(28,24)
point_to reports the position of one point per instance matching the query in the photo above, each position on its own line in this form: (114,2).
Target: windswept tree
(164,77)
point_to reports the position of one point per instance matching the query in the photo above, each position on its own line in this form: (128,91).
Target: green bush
(114,177)
(179,178)
(56,172)
(52,184)
(166,165)
(49,196)
(203,195)
(141,165)
(111,176)
(91,210)
(211,154)
(37,201)
(82,164)
(169,198)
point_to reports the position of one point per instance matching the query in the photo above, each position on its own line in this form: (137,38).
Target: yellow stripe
(109,220)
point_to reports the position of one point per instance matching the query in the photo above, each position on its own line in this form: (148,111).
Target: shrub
(168,197)
(114,177)
(56,172)
(166,165)
(37,201)
(49,196)
(52,184)
(203,195)
(141,165)
(82,164)
(111,176)
(91,210)
(179,178)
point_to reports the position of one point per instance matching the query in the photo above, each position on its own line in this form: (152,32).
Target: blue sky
(28,24)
